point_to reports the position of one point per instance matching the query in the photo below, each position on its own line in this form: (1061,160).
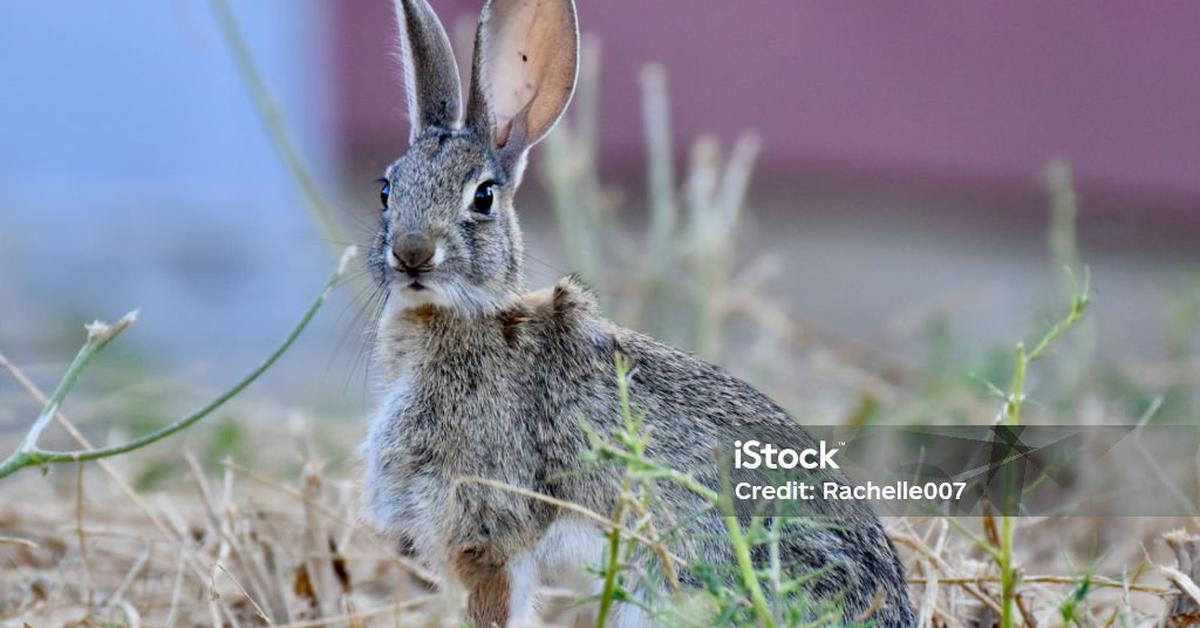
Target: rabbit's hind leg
(500,592)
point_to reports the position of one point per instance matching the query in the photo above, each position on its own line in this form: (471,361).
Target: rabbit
(481,379)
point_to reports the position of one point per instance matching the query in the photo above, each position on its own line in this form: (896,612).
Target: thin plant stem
(1011,417)
(660,167)
(28,454)
(741,551)
(1062,239)
(272,117)
(1007,573)
(569,172)
(613,566)
(98,337)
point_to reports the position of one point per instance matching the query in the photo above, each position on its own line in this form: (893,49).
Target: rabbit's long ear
(523,73)
(430,73)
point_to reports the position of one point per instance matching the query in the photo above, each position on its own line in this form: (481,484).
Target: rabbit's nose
(414,252)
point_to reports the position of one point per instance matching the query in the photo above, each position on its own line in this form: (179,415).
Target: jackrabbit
(483,380)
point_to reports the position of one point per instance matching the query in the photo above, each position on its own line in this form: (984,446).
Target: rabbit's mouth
(417,291)
(415,284)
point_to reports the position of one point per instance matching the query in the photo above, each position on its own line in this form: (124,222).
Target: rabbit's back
(694,410)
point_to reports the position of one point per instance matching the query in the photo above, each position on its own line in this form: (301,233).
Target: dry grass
(232,548)
(240,547)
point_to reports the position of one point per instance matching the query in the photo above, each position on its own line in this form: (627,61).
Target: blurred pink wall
(976,92)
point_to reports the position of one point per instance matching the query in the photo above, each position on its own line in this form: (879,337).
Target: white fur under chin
(407,298)
(462,299)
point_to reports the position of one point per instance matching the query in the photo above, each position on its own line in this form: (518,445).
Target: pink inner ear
(503,129)
(512,61)
(529,53)
(508,104)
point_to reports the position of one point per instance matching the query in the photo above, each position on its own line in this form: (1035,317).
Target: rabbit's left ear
(523,73)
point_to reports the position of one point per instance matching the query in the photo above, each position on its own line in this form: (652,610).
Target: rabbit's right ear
(523,73)
(430,72)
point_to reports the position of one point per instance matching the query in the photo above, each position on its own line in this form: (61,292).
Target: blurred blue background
(135,170)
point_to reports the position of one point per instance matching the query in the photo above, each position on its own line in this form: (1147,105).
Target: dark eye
(484,196)
(385,192)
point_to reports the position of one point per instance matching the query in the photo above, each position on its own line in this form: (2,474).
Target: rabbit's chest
(436,431)
(452,419)
(458,435)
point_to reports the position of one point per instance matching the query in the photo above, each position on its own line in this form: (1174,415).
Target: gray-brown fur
(485,380)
